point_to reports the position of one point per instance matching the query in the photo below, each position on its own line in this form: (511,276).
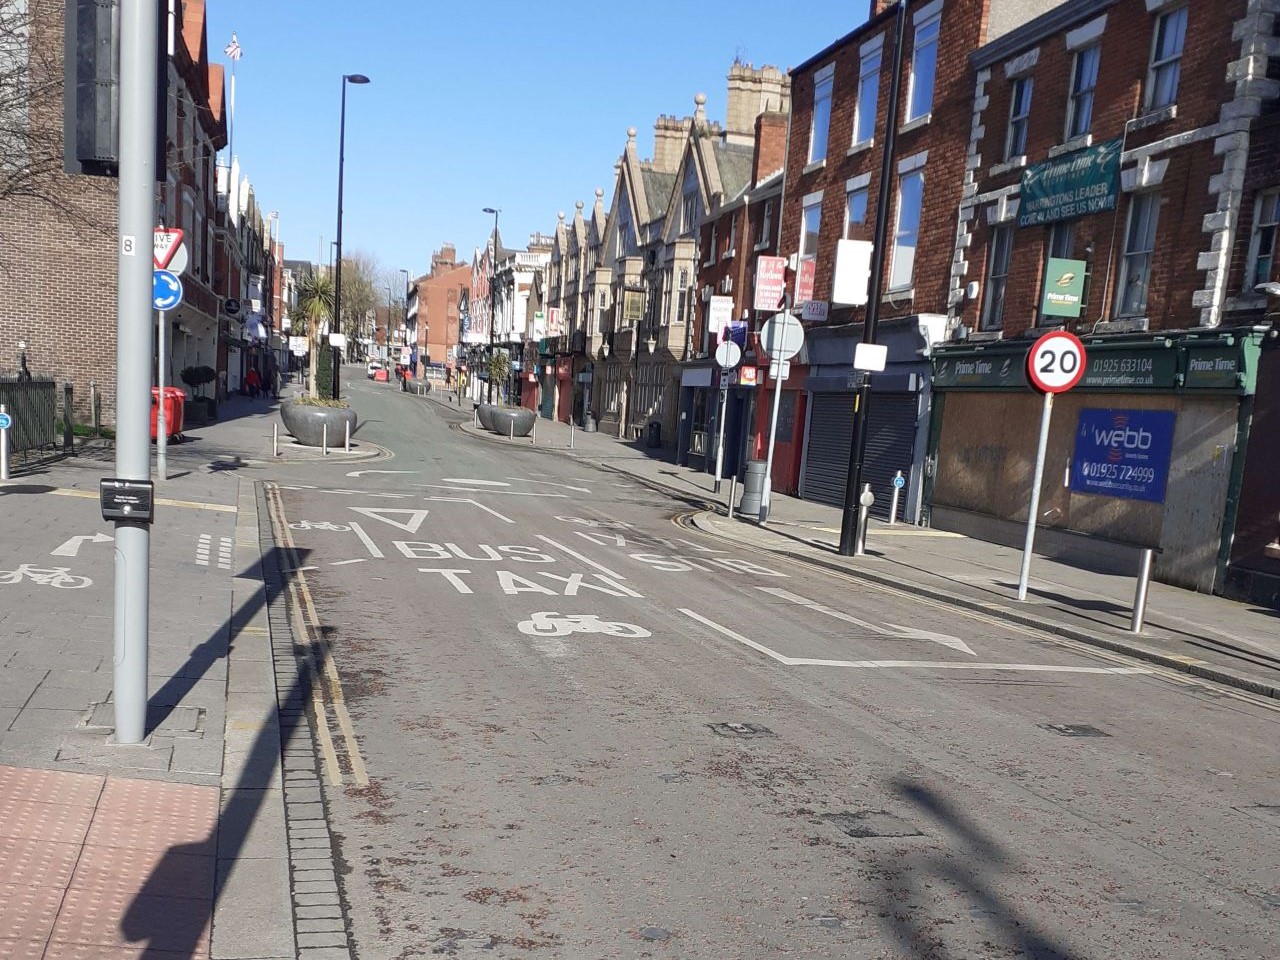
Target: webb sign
(1123,453)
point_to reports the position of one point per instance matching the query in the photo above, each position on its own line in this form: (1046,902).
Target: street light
(493,282)
(337,275)
(405,274)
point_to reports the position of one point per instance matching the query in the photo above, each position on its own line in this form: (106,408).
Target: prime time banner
(1123,453)
(1082,182)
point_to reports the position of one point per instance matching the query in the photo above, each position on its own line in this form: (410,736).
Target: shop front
(564,388)
(1144,452)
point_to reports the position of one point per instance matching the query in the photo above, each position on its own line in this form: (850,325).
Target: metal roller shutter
(891,436)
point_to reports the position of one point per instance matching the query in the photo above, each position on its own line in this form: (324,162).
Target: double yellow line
(321,669)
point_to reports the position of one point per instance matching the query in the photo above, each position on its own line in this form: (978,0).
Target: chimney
(770,145)
(751,93)
(668,142)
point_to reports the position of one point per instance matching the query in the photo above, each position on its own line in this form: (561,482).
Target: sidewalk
(1232,643)
(180,847)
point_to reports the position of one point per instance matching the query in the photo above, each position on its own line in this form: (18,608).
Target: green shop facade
(1147,451)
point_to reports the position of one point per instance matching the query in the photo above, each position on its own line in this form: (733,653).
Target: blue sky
(521,106)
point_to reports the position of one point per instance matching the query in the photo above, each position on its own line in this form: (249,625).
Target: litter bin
(655,434)
(752,489)
(589,423)
(174,406)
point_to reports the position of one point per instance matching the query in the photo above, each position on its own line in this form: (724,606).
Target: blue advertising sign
(1123,453)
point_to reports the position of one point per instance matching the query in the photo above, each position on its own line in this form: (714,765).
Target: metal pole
(1033,511)
(733,488)
(493,300)
(773,429)
(1140,596)
(893,500)
(275,439)
(4,449)
(162,421)
(858,448)
(346,435)
(68,422)
(139,34)
(324,439)
(724,403)
(337,271)
(94,412)
(572,427)
(864,516)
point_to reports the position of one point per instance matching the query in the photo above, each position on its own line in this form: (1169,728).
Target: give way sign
(165,244)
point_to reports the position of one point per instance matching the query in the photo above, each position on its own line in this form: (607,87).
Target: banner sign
(632,306)
(1075,185)
(1123,453)
(1063,287)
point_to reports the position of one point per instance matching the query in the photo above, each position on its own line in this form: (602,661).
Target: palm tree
(315,307)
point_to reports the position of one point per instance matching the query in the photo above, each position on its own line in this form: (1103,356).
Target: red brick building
(440,298)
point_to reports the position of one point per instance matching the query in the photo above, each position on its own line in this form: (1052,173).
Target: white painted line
(367,541)
(477,483)
(577,556)
(361,473)
(476,503)
(411,523)
(737,636)
(299,569)
(72,547)
(505,493)
(549,483)
(343,563)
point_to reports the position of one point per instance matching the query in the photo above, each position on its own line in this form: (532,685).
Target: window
(1061,244)
(906,233)
(766,224)
(810,223)
(864,121)
(1084,80)
(1262,249)
(924,68)
(855,210)
(1166,58)
(823,83)
(1139,242)
(1019,110)
(997,278)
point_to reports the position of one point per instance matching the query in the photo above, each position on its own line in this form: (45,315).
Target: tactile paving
(51,786)
(30,862)
(22,949)
(186,872)
(123,918)
(88,951)
(151,815)
(27,912)
(52,822)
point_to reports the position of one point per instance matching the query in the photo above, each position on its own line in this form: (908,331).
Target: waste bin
(752,488)
(589,423)
(174,406)
(655,434)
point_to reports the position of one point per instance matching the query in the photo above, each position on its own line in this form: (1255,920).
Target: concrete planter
(307,423)
(484,413)
(512,421)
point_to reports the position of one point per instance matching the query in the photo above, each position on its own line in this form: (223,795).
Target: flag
(232,49)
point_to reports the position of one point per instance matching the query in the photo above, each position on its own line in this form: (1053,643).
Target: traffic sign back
(728,354)
(782,336)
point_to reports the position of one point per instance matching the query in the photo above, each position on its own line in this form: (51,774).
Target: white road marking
(299,569)
(476,503)
(925,664)
(72,547)
(505,493)
(894,631)
(548,483)
(367,541)
(577,556)
(476,483)
(361,473)
(411,523)
(343,563)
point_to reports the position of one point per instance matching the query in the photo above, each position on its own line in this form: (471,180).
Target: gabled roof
(733,163)
(657,188)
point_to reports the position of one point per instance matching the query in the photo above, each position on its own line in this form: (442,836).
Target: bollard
(95,408)
(572,427)
(865,501)
(275,439)
(4,449)
(68,426)
(511,429)
(893,501)
(324,439)
(533,434)
(346,436)
(1140,595)
(733,486)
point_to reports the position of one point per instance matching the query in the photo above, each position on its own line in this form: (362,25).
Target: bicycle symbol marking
(551,624)
(319,525)
(60,577)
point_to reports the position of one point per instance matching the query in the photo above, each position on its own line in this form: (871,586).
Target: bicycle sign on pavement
(550,624)
(60,577)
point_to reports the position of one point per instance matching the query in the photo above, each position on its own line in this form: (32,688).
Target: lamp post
(337,275)
(493,283)
(405,296)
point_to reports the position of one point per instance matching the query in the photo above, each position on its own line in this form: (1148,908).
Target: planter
(484,413)
(512,421)
(307,423)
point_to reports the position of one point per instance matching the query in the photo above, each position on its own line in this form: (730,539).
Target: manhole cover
(871,823)
(745,730)
(1073,730)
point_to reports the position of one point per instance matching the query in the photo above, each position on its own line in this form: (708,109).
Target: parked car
(374,367)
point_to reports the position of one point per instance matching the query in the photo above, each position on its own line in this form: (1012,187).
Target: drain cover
(871,823)
(735,729)
(1074,730)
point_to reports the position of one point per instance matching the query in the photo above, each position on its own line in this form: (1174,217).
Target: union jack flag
(232,49)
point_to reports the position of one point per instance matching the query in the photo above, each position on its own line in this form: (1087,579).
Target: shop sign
(632,306)
(993,371)
(1080,183)
(1063,287)
(747,376)
(1116,369)
(1123,453)
(806,273)
(1217,368)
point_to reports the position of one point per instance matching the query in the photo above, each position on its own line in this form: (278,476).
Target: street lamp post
(337,275)
(405,295)
(493,303)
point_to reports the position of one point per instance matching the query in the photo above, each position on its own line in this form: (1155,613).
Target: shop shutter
(890,444)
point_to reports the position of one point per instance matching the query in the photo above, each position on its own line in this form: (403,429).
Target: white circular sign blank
(782,336)
(728,355)
(1056,362)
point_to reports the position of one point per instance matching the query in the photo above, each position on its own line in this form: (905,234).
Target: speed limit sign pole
(1055,365)
(727,356)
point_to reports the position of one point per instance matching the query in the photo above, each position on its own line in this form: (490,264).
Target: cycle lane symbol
(59,577)
(551,624)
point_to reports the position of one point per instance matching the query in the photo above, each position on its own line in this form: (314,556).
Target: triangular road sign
(411,522)
(165,244)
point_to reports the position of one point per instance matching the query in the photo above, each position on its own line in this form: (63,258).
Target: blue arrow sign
(899,482)
(166,290)
(6,421)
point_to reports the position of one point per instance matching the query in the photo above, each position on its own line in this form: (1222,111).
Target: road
(569,725)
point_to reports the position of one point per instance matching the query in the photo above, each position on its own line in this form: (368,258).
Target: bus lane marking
(577,556)
(367,541)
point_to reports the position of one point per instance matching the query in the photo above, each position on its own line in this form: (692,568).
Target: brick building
(440,294)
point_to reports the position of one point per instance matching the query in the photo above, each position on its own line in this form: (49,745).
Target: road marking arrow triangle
(911,633)
(412,518)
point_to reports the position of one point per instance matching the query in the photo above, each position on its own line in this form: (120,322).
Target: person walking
(253,381)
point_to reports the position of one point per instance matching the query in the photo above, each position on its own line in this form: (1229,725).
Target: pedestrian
(253,381)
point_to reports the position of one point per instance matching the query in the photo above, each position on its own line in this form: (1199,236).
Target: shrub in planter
(306,418)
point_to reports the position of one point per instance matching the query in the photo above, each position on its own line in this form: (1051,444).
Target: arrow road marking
(924,664)
(894,631)
(548,483)
(72,547)
(411,523)
(361,473)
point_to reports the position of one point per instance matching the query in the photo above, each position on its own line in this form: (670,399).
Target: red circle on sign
(1056,362)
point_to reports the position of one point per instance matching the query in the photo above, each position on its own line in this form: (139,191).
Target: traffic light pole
(139,76)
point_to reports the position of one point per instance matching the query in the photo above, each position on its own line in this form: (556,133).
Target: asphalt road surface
(571,726)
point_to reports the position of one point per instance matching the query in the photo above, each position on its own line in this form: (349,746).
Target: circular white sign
(1056,362)
(728,355)
(782,336)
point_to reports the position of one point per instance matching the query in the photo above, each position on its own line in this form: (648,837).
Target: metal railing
(33,404)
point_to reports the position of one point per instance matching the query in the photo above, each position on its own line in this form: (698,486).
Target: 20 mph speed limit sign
(1056,362)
